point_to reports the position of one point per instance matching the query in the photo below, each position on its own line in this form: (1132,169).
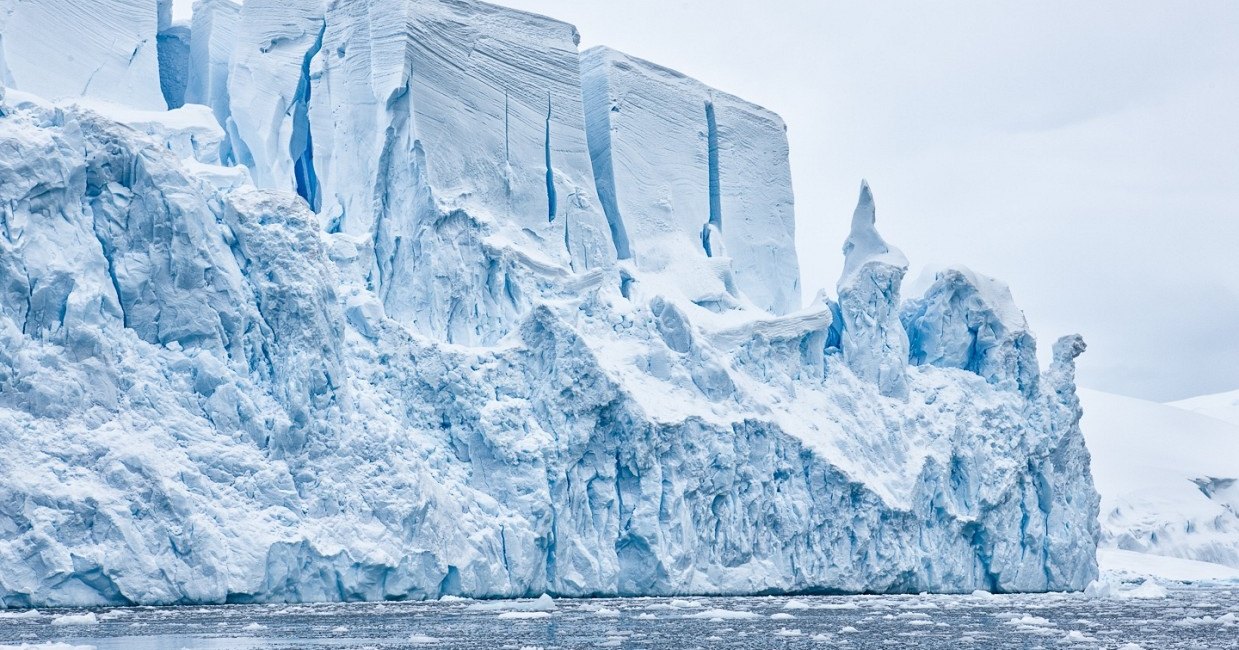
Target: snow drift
(1168,477)
(422,303)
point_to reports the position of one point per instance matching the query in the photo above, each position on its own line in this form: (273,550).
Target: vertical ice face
(102,49)
(695,182)
(450,135)
(174,63)
(970,321)
(875,345)
(268,84)
(754,194)
(490,100)
(213,35)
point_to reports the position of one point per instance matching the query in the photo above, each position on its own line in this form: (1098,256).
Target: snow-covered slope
(1168,478)
(1223,406)
(401,354)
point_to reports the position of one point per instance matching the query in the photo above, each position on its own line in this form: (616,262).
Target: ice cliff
(412,299)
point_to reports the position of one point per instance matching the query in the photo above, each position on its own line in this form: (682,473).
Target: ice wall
(696,182)
(174,64)
(407,357)
(433,120)
(212,41)
(268,86)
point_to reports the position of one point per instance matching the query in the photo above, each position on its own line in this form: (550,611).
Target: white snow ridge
(427,303)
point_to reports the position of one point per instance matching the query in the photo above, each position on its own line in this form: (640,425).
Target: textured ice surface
(268,84)
(970,321)
(874,342)
(174,64)
(696,182)
(449,142)
(408,359)
(104,49)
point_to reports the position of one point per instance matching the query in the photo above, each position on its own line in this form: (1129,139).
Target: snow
(1223,406)
(1133,563)
(398,352)
(1167,477)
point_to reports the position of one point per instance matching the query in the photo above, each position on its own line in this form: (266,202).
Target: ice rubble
(422,342)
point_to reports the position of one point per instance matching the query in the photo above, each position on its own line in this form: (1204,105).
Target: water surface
(1186,618)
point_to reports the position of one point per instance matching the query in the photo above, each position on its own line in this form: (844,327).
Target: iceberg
(398,307)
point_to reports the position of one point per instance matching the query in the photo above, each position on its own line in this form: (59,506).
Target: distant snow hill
(1223,406)
(1169,481)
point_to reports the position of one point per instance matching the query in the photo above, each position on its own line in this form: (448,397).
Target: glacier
(412,298)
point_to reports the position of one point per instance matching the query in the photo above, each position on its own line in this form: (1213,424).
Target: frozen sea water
(1201,617)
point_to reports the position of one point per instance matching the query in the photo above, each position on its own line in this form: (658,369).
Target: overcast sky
(1086,153)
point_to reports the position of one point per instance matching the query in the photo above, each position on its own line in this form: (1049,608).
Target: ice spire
(875,345)
(864,244)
